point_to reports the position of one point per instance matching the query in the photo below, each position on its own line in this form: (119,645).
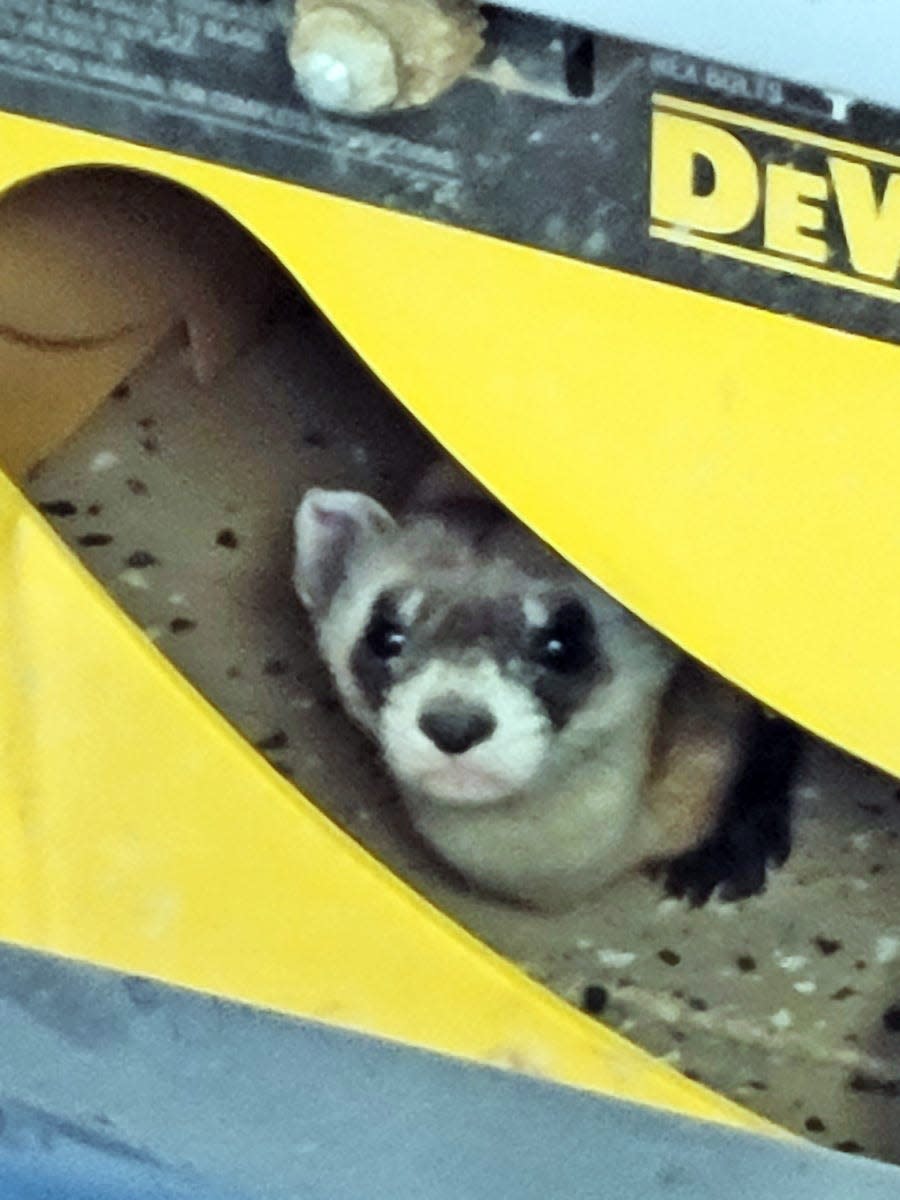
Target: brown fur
(696,753)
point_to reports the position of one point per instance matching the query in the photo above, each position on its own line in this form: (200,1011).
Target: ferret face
(473,675)
(466,687)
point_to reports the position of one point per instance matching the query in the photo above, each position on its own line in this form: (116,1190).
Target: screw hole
(579,63)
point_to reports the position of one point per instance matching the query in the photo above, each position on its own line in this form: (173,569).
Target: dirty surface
(181,502)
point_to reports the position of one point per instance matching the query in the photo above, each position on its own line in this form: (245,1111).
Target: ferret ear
(329,529)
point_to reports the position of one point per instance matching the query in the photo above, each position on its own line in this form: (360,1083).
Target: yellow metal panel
(729,473)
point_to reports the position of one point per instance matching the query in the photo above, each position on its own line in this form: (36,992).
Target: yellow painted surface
(728,473)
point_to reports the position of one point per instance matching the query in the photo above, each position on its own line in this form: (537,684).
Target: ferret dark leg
(754,827)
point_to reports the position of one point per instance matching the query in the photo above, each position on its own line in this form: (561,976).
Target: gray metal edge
(113,1086)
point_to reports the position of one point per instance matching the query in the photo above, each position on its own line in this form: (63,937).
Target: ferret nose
(456,730)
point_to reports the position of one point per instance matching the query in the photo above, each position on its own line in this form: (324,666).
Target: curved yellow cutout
(729,473)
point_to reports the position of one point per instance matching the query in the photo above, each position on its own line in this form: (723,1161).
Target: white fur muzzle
(495,768)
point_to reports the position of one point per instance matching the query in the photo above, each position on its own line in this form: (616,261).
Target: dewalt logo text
(775,196)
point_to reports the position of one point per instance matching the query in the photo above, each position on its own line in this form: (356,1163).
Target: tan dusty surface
(779,1001)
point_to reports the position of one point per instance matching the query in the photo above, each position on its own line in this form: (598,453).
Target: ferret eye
(565,645)
(385,638)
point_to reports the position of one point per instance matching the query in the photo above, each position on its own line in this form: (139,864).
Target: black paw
(754,830)
(734,860)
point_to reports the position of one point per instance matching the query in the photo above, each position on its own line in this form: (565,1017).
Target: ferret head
(476,675)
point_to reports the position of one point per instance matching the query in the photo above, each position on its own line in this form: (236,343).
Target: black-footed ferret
(543,740)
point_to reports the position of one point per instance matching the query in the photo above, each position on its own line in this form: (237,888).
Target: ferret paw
(755,830)
(734,861)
